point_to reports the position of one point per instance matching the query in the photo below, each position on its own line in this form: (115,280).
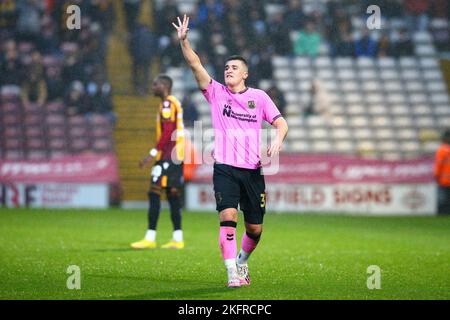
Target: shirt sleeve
(270,111)
(437,170)
(210,91)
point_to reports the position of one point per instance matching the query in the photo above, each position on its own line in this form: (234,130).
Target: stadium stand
(40,62)
(389,102)
(378,104)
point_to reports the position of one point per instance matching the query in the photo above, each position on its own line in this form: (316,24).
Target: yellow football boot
(172,244)
(144,244)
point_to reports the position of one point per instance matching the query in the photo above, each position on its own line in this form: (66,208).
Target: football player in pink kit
(237,112)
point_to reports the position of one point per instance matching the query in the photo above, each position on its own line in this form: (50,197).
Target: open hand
(182,27)
(274,149)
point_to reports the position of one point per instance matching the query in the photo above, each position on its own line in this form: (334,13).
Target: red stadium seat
(35,143)
(13,143)
(11,120)
(102,145)
(37,155)
(101,132)
(10,107)
(79,132)
(12,132)
(55,120)
(79,145)
(57,143)
(14,155)
(54,154)
(32,107)
(99,120)
(35,131)
(34,119)
(77,121)
(55,107)
(56,132)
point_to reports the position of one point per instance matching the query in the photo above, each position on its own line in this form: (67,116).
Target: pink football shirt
(237,120)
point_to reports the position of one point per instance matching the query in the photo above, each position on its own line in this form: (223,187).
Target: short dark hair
(446,136)
(164,78)
(237,57)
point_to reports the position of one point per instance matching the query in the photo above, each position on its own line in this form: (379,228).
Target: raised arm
(200,73)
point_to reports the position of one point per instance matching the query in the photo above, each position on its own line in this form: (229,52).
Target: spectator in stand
(258,25)
(8,16)
(102,12)
(319,103)
(442,173)
(34,87)
(279,35)
(55,86)
(366,46)
(100,97)
(441,34)
(163,16)
(29,19)
(308,41)
(132,10)
(210,10)
(190,113)
(416,14)
(75,99)
(142,48)
(170,55)
(295,17)
(11,69)
(48,40)
(440,9)
(402,44)
(73,68)
(263,68)
(277,97)
(384,48)
(341,40)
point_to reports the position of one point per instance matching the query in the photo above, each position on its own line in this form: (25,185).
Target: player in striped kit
(167,172)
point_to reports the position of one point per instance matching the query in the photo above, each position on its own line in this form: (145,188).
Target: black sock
(175,209)
(228,224)
(254,237)
(153,210)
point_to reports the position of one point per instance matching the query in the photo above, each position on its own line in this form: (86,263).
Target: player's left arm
(282,128)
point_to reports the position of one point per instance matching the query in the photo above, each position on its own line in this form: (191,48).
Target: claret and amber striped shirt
(169,119)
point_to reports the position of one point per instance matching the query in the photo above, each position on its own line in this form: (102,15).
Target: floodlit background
(354,79)
(363,85)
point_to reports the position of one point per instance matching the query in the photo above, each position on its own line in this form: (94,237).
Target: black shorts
(246,187)
(167,174)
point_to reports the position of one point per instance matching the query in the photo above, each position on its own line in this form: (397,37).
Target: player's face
(158,88)
(235,72)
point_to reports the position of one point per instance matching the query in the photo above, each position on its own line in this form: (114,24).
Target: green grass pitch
(304,256)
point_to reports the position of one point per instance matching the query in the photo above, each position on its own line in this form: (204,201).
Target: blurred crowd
(259,29)
(42,60)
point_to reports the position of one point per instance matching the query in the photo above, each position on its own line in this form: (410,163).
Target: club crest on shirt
(251,104)
(166,112)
